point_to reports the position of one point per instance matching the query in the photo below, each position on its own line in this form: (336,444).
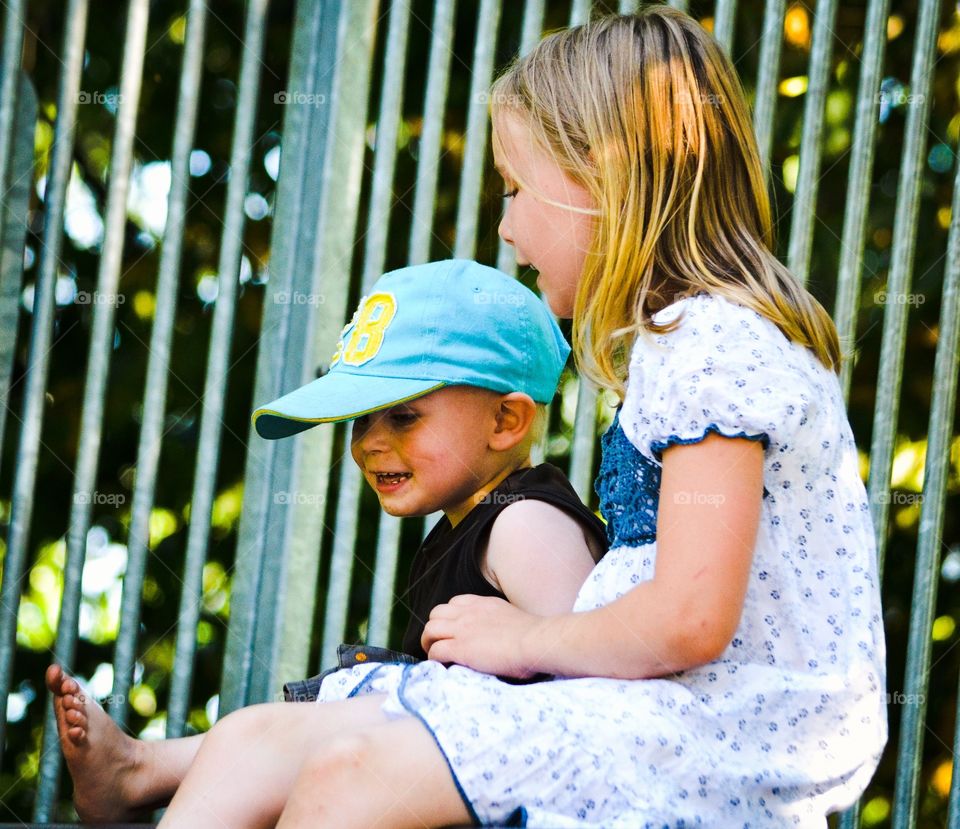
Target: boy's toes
(53,678)
(75,717)
(73,701)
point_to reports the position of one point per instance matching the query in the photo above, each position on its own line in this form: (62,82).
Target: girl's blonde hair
(647,113)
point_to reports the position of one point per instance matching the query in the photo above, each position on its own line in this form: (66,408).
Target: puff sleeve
(725,370)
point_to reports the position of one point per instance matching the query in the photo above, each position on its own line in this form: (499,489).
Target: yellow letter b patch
(369,324)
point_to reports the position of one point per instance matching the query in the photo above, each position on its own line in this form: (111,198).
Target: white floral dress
(789,723)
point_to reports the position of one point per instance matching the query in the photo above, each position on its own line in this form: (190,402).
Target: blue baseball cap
(450,323)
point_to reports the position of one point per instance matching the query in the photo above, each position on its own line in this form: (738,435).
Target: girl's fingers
(434,631)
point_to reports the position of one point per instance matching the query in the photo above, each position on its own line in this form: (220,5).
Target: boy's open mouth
(391,477)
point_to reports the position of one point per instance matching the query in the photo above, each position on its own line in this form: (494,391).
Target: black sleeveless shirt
(448,562)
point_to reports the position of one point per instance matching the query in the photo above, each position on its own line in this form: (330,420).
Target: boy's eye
(403,418)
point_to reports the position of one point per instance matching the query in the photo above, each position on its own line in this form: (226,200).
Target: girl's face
(544,233)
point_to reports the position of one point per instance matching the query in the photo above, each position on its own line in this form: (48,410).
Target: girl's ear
(515,415)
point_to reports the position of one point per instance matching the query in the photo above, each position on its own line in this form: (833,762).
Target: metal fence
(326,205)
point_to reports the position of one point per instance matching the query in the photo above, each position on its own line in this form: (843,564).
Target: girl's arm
(709,511)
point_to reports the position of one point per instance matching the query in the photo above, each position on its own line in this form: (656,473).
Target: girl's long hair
(648,114)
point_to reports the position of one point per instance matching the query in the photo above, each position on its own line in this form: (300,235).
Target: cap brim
(335,397)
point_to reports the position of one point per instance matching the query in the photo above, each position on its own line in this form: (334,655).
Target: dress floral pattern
(789,723)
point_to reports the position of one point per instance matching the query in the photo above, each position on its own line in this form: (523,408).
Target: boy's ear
(515,414)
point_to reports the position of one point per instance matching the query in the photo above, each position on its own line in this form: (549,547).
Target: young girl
(724,665)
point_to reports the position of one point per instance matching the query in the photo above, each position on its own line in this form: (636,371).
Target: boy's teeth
(392,477)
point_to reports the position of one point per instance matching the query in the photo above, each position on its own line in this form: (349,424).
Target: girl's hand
(482,632)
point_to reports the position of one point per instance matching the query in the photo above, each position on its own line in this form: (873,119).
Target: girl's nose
(504,230)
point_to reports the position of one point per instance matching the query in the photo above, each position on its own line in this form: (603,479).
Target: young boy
(445,369)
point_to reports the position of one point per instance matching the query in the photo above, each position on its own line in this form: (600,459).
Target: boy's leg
(249,761)
(114,775)
(388,775)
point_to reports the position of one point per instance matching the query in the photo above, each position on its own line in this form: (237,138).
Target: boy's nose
(370,436)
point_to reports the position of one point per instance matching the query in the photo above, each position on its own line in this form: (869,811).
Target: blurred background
(199,285)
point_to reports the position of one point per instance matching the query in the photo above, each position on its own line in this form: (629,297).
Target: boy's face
(429,454)
(550,237)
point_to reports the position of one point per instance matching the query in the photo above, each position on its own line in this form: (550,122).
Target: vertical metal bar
(101,338)
(307,136)
(309,470)
(584,439)
(910,746)
(532,26)
(214,391)
(858,187)
(765,102)
(805,199)
(678,4)
(887,404)
(158,364)
(428,162)
(41,332)
(886,409)
(14,210)
(935,478)
(627,6)
(9,85)
(385,153)
(286,606)
(384,580)
(579,12)
(475,151)
(724,20)
(531,30)
(374,256)
(341,564)
(855,218)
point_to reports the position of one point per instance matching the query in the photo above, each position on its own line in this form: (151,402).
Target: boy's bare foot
(103,761)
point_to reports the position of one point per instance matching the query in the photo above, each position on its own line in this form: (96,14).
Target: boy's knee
(240,724)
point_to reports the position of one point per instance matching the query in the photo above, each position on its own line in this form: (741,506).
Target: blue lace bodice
(629,488)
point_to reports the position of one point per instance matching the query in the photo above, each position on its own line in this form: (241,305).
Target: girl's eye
(403,418)
(510,193)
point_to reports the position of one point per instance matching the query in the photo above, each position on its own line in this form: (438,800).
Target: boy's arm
(682,618)
(538,556)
